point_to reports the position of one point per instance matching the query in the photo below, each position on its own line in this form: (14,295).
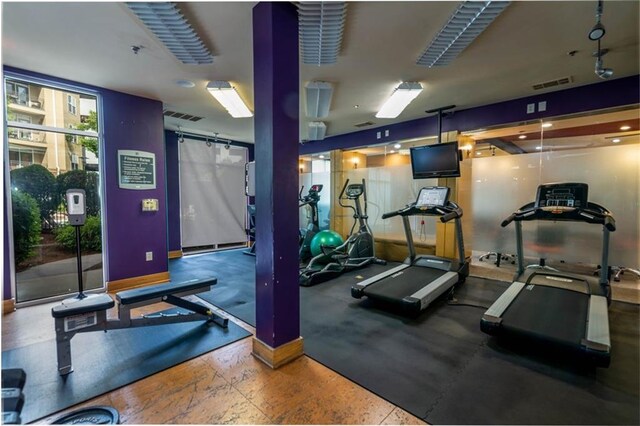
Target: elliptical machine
(306,234)
(356,252)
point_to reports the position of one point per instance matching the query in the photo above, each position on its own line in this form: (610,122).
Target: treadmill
(416,283)
(559,309)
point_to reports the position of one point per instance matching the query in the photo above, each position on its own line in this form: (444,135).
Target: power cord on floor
(452,301)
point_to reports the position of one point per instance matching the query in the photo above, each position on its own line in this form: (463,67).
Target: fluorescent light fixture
(317,130)
(397,146)
(166,22)
(547,125)
(522,137)
(400,98)
(318,97)
(539,148)
(625,128)
(320,156)
(392,152)
(616,140)
(229,98)
(468,21)
(320,29)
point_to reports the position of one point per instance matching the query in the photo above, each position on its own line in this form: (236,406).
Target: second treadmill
(420,279)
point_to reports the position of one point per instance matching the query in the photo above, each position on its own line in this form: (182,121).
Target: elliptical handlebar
(344,188)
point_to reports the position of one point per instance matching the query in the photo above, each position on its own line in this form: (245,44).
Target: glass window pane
(50,107)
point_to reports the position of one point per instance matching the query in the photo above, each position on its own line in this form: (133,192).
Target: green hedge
(40,184)
(90,235)
(26,225)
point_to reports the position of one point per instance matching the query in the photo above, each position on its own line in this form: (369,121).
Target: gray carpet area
(106,361)
(440,366)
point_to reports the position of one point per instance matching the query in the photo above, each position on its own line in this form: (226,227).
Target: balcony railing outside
(36,103)
(27,135)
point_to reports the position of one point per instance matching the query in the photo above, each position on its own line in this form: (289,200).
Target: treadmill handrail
(593,213)
(447,212)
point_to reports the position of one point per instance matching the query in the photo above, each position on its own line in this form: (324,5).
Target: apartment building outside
(33,104)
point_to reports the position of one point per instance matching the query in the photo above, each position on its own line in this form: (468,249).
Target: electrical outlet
(542,106)
(531,108)
(149,256)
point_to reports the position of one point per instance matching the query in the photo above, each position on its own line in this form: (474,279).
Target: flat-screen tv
(432,161)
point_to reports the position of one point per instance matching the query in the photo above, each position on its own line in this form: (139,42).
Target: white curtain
(212,201)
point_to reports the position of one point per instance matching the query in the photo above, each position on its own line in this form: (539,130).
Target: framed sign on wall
(136,169)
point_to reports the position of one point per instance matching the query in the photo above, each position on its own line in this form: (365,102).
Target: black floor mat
(440,366)
(106,361)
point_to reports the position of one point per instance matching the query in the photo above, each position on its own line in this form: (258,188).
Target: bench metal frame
(67,326)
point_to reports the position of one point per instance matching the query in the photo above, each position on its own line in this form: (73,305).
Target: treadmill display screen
(433,196)
(567,195)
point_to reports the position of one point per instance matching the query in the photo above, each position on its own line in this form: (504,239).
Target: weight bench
(90,314)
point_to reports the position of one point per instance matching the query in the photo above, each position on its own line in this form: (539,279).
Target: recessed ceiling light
(356,106)
(625,127)
(321,156)
(185,83)
(616,140)
(478,153)
(539,148)
(397,146)
(546,125)
(391,152)
(522,137)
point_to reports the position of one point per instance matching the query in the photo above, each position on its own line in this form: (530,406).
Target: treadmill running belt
(553,314)
(402,284)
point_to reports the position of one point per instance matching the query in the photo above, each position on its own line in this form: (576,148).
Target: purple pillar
(276,98)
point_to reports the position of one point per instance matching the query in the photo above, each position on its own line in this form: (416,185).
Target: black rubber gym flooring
(106,361)
(440,366)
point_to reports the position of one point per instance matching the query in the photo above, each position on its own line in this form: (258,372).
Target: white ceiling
(527,44)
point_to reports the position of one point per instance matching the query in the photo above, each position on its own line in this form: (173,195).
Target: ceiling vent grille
(320,29)
(167,23)
(365,124)
(553,83)
(469,20)
(181,116)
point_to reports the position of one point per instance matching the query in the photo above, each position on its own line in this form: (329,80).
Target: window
(18,93)
(71,104)
(23,134)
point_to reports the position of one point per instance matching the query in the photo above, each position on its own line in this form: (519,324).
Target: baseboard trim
(277,357)
(8,306)
(141,281)
(175,254)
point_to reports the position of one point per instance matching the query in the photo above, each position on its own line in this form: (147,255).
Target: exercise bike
(306,234)
(356,252)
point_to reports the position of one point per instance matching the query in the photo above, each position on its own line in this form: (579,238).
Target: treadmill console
(433,196)
(562,196)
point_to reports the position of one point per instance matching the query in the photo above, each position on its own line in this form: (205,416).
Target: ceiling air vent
(181,116)
(553,83)
(365,124)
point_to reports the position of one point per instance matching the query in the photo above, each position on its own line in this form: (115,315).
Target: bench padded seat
(90,304)
(136,295)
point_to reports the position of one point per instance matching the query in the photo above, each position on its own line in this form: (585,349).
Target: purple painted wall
(131,122)
(128,122)
(607,94)
(276,96)
(173,189)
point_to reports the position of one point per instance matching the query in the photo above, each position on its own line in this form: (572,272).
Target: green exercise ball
(325,239)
